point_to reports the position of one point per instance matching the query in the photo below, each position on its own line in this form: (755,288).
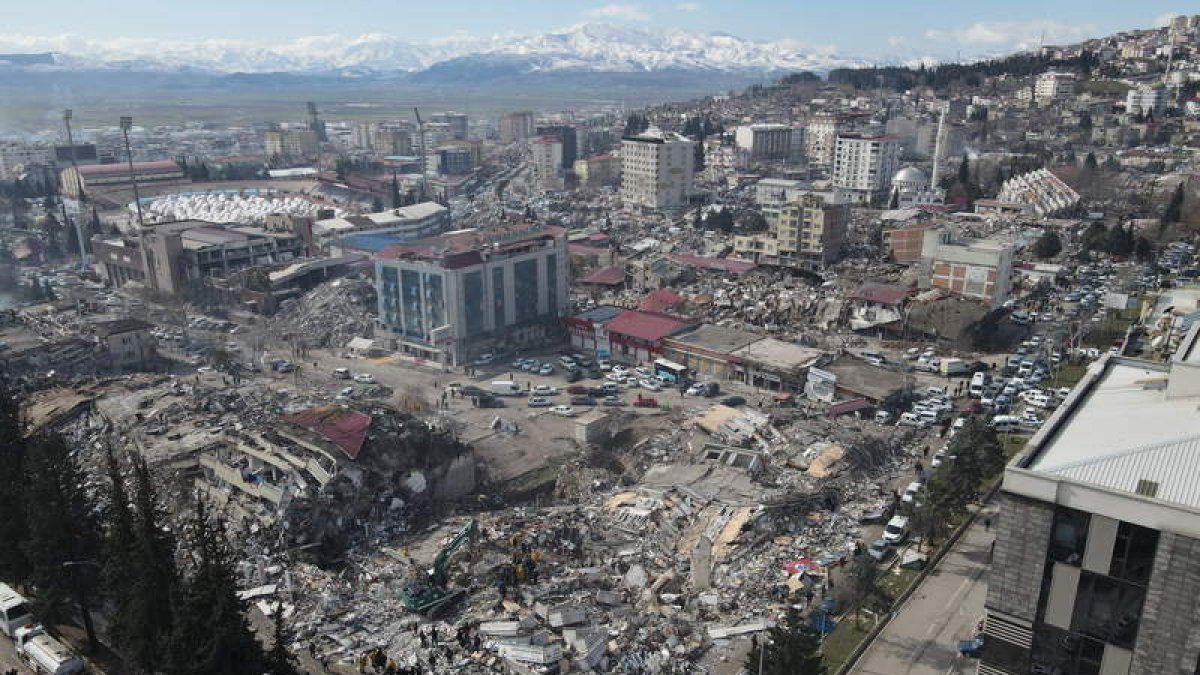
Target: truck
(951,367)
(506,388)
(44,654)
(429,593)
(14,610)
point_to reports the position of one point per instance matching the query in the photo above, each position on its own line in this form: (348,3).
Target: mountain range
(590,47)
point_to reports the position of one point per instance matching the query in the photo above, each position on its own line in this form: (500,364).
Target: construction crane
(428,594)
(421,149)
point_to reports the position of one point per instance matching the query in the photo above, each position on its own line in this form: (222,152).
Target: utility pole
(126,125)
(421,146)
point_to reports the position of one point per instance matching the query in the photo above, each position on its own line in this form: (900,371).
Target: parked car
(364,378)
(546,369)
(896,530)
(563,410)
(645,402)
(733,401)
(539,402)
(613,401)
(341,373)
(582,399)
(910,492)
(879,550)
(577,389)
(544,390)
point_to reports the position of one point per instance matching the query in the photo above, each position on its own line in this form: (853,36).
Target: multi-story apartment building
(568,136)
(547,162)
(456,296)
(1147,100)
(290,143)
(1096,566)
(770,194)
(516,126)
(979,269)
(391,140)
(765,141)
(456,121)
(820,137)
(594,172)
(17,157)
(657,170)
(455,160)
(1053,86)
(807,232)
(863,166)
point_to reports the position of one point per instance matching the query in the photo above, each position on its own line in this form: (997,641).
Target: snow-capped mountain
(586,47)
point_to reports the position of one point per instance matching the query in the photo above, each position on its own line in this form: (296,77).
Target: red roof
(660,300)
(648,327)
(606,276)
(343,427)
(123,169)
(883,294)
(733,266)
(846,407)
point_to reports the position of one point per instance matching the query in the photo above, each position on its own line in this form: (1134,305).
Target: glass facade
(1106,609)
(410,303)
(473,303)
(552,281)
(389,296)
(498,306)
(435,301)
(525,290)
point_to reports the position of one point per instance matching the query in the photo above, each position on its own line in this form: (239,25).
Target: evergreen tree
(62,526)
(210,633)
(940,504)
(13,450)
(1048,245)
(1174,210)
(149,617)
(119,571)
(1143,250)
(1089,162)
(280,660)
(698,156)
(397,201)
(376,205)
(964,171)
(978,455)
(791,648)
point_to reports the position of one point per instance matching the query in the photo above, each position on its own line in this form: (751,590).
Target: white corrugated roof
(1173,465)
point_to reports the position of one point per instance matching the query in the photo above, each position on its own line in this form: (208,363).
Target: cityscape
(691,338)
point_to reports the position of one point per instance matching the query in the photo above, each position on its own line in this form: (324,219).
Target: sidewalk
(922,637)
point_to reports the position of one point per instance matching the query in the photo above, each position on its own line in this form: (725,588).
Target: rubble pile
(330,315)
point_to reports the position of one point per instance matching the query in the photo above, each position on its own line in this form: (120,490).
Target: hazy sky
(869,28)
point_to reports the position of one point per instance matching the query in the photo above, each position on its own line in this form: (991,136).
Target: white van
(506,388)
(1005,423)
(978,382)
(14,610)
(911,419)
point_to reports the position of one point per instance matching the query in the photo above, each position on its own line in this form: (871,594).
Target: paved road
(923,637)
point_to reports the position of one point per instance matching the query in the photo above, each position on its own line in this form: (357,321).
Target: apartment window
(1133,553)
(473,302)
(1065,653)
(1068,536)
(1107,609)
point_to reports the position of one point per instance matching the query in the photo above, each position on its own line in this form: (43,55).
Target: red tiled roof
(605,276)
(733,266)
(648,327)
(883,294)
(660,300)
(343,427)
(846,407)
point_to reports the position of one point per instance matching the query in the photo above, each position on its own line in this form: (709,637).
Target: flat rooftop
(1125,407)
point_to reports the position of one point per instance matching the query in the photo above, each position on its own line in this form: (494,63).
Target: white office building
(1053,86)
(657,170)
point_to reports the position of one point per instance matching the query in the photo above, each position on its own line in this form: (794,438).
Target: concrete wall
(1168,637)
(1022,540)
(456,478)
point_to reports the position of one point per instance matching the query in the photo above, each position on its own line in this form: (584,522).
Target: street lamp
(126,125)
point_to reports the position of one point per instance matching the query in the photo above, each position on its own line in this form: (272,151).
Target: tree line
(169,594)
